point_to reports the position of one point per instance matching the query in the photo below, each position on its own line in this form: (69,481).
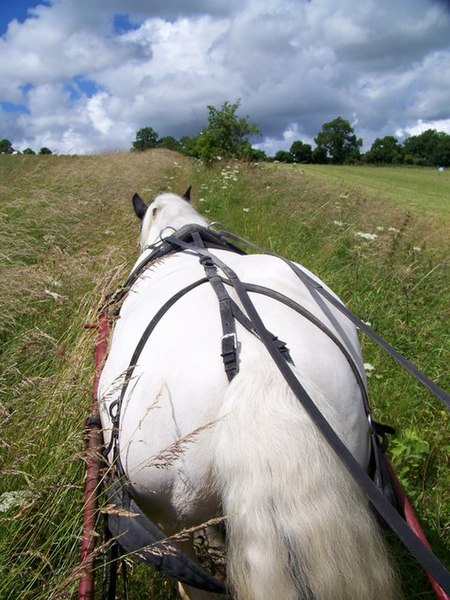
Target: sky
(83,76)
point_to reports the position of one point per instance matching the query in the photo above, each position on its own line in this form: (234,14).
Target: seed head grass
(69,236)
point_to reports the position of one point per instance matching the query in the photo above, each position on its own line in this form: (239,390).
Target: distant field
(420,189)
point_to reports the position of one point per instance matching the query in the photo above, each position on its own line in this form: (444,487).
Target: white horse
(195,446)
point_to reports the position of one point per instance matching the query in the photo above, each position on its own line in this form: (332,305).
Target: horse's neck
(174,218)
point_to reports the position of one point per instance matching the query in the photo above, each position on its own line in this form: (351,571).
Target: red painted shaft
(94,440)
(414,525)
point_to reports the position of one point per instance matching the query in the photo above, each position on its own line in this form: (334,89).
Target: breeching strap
(423,554)
(310,283)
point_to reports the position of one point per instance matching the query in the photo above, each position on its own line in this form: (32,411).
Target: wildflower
(393,229)
(246,209)
(12,499)
(343,196)
(202,200)
(366,236)
(417,249)
(368,368)
(53,282)
(380,228)
(56,297)
(338,223)
(49,238)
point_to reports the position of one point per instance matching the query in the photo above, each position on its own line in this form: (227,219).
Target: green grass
(419,189)
(68,229)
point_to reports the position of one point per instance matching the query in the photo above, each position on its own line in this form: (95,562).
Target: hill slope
(69,235)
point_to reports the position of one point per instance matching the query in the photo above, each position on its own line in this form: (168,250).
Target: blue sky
(84,75)
(14,9)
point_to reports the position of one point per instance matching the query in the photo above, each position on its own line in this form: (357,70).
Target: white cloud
(294,64)
(420,126)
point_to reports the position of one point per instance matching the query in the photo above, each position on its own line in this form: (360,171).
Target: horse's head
(166,211)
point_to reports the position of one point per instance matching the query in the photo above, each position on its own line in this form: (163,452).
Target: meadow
(378,237)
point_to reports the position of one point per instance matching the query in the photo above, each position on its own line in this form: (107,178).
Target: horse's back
(179,381)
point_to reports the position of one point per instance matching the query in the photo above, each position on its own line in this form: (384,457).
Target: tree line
(7,148)
(336,143)
(226,136)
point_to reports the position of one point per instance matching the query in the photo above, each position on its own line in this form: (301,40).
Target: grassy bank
(68,235)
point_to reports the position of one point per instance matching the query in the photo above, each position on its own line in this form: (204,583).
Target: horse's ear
(140,208)
(187,194)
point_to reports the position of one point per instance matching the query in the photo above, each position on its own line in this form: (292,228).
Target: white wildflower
(368,368)
(49,238)
(12,499)
(343,196)
(246,209)
(366,236)
(56,297)
(202,200)
(417,249)
(380,228)
(53,282)
(338,223)
(393,230)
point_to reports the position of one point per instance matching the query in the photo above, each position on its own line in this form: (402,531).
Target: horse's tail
(297,526)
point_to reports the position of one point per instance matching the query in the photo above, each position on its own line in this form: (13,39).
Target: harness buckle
(229,336)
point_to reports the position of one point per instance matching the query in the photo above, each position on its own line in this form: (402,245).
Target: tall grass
(68,235)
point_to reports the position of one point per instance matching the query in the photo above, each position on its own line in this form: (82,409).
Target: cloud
(89,75)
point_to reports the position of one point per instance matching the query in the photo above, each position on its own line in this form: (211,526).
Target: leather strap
(424,556)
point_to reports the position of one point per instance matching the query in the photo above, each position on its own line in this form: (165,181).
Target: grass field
(424,190)
(379,238)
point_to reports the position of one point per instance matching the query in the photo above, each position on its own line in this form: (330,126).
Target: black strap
(229,338)
(137,535)
(437,391)
(425,556)
(116,406)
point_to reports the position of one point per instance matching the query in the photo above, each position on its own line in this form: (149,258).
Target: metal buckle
(230,335)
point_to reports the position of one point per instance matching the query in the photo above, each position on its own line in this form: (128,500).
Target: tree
(146,138)
(386,150)
(301,153)
(284,156)
(226,133)
(6,147)
(319,156)
(429,148)
(45,150)
(169,142)
(28,151)
(339,141)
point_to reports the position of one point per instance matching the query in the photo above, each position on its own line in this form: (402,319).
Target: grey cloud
(292,63)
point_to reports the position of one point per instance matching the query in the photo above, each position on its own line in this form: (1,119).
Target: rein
(415,546)
(199,241)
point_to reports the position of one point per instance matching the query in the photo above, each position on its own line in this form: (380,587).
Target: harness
(137,533)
